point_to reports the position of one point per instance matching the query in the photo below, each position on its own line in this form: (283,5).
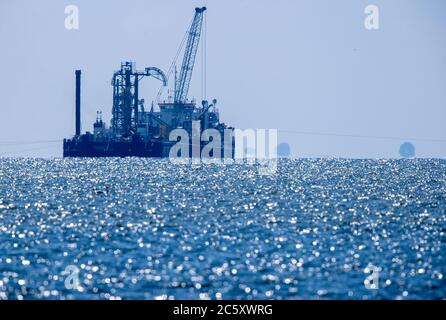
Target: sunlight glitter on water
(148,229)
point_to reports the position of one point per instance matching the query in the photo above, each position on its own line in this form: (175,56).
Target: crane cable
(203,61)
(205,54)
(174,62)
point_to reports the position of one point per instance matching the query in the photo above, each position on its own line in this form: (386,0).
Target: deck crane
(194,34)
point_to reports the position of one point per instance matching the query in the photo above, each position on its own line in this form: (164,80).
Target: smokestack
(78,102)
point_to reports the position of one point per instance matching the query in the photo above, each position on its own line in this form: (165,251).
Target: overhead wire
(361,136)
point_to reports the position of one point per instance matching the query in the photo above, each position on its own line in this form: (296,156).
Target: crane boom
(182,87)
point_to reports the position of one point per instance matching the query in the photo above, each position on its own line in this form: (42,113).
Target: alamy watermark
(371,282)
(211,146)
(371,21)
(72,278)
(72,17)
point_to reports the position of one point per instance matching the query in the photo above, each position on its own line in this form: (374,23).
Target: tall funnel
(78,102)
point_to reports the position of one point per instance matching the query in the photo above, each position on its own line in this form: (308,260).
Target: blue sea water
(149,229)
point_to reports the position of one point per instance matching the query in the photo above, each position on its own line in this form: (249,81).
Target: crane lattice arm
(182,87)
(157,74)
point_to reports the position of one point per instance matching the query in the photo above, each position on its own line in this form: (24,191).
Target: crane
(183,82)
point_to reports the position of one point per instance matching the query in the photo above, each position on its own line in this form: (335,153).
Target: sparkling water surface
(149,229)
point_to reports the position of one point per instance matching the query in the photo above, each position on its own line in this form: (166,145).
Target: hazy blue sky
(294,65)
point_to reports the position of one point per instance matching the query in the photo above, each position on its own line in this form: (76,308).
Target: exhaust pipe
(78,102)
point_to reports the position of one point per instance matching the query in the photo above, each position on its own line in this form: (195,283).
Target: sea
(150,229)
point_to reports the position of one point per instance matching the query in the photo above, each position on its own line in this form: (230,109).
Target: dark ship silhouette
(137,132)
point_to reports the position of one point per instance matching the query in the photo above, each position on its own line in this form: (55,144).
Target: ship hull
(84,147)
(78,148)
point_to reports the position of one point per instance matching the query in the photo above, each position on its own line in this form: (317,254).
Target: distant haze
(306,67)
